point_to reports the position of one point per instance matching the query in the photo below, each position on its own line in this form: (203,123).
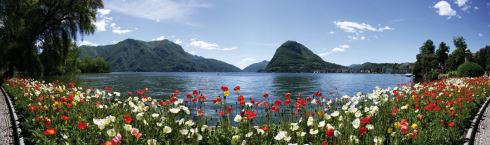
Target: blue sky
(340,31)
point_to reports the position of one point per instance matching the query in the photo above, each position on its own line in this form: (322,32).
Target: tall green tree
(482,57)
(442,55)
(459,55)
(37,34)
(426,62)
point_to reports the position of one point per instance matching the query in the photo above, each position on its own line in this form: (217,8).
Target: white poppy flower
(356,123)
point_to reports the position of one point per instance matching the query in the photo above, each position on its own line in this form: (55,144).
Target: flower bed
(425,113)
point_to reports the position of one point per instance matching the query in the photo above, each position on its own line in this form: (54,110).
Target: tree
(482,57)
(459,55)
(426,61)
(36,35)
(442,55)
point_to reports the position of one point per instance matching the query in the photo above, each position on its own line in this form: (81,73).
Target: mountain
(368,67)
(153,56)
(256,67)
(292,56)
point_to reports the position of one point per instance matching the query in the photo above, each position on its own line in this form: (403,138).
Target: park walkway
(482,137)
(6,129)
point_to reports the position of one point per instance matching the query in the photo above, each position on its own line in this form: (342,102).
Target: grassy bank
(424,113)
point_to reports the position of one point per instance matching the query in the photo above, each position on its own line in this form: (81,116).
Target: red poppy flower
(236,89)
(49,132)
(420,117)
(31,108)
(189,96)
(130,93)
(109,142)
(65,118)
(224,88)
(365,120)
(195,92)
(287,102)
(241,100)
(317,94)
(275,108)
(250,114)
(363,131)
(216,100)
(329,132)
(393,111)
(287,95)
(277,102)
(404,129)
(264,128)
(127,118)
(451,124)
(82,125)
(229,109)
(221,113)
(71,85)
(265,95)
(47,122)
(140,92)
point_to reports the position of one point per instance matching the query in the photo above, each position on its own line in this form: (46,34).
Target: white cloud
(355,27)
(461,3)
(323,54)
(118,30)
(444,9)
(480,35)
(340,48)
(203,44)
(331,32)
(229,48)
(337,49)
(160,38)
(104,11)
(359,29)
(102,20)
(157,10)
(178,41)
(88,43)
(209,46)
(357,37)
(192,52)
(344,46)
(247,60)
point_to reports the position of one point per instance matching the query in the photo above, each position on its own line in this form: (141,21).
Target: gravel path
(6,131)
(482,136)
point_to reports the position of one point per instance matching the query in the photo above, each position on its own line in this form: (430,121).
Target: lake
(162,84)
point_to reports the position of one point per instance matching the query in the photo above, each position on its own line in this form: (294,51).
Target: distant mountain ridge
(256,67)
(154,56)
(292,56)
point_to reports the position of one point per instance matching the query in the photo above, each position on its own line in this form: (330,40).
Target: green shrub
(470,69)
(453,74)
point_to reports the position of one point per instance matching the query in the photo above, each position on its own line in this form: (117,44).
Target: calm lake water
(161,84)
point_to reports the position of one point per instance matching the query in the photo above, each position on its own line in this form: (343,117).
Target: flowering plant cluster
(424,113)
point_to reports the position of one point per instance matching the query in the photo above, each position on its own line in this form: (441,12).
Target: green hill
(292,56)
(154,56)
(256,67)
(396,68)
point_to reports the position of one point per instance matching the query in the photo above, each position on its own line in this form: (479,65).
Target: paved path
(6,131)
(482,136)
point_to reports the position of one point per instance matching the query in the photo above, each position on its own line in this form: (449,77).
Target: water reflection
(253,85)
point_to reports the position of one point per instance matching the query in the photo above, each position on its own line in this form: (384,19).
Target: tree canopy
(36,35)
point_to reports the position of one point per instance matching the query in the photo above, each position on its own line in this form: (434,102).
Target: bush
(452,74)
(470,69)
